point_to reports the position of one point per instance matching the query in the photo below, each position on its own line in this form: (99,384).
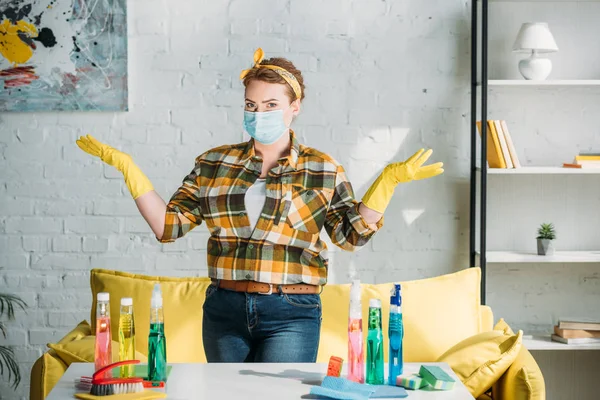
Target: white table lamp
(535,38)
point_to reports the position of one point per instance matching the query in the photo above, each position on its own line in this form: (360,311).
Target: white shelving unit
(546,343)
(523,82)
(543,171)
(507,257)
(587,83)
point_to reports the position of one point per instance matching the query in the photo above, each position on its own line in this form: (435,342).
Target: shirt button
(248,276)
(250,246)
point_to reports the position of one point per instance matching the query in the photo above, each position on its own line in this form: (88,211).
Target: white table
(252,381)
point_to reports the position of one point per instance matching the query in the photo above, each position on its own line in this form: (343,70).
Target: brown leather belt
(266,288)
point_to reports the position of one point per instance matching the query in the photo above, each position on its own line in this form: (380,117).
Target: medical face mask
(265,127)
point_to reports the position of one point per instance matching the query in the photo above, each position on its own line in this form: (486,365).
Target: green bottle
(157,342)
(375,344)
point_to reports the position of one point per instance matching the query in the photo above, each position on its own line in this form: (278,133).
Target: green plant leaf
(8,362)
(8,303)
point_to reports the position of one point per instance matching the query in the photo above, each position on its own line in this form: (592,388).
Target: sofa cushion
(182,302)
(45,373)
(480,360)
(83,350)
(523,380)
(437,313)
(82,330)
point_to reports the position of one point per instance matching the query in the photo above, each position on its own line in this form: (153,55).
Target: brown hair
(270,76)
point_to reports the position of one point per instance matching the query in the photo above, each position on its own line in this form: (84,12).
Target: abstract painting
(63,55)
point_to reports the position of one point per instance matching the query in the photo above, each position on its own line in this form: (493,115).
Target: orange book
(494,152)
(575,333)
(569,165)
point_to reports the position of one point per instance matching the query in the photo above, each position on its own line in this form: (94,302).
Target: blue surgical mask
(265,127)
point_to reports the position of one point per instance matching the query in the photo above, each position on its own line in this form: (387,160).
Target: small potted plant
(546,235)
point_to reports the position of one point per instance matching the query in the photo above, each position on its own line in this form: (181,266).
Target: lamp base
(535,68)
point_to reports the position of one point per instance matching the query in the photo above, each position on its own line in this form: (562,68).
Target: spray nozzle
(156,300)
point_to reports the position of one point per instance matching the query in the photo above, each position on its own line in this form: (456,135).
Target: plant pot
(545,247)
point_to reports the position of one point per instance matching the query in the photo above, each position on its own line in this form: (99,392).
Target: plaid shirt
(304,192)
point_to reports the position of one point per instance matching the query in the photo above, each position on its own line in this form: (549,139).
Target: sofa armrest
(486,317)
(522,381)
(45,373)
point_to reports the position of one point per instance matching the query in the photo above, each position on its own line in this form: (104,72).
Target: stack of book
(500,148)
(585,160)
(574,331)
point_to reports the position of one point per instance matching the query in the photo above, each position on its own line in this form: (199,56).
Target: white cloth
(255,200)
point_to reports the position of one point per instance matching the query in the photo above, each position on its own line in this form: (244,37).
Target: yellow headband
(285,74)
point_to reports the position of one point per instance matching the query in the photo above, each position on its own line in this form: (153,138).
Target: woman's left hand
(381,191)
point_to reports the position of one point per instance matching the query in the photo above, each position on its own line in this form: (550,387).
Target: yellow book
(587,158)
(494,153)
(497,148)
(503,144)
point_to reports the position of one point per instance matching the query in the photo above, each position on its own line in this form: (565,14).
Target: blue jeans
(243,327)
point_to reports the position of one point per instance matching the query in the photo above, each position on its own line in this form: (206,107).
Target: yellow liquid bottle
(126,336)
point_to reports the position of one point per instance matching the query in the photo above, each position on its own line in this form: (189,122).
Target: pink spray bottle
(103,345)
(356,369)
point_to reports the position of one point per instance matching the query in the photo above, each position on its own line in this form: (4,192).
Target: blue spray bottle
(395,335)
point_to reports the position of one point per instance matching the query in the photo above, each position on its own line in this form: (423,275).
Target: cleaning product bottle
(157,342)
(103,345)
(126,336)
(356,369)
(375,344)
(395,335)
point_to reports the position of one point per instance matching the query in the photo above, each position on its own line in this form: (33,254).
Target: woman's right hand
(151,205)
(108,154)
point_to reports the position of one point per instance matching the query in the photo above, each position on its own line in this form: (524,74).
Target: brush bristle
(116,388)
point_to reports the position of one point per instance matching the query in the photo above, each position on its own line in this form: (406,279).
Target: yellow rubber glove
(381,191)
(135,179)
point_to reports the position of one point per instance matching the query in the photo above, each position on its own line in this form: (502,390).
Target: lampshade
(535,36)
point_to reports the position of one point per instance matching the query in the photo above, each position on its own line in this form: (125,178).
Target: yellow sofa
(438,313)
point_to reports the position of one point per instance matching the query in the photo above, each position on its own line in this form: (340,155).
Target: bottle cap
(126,301)
(374,303)
(103,296)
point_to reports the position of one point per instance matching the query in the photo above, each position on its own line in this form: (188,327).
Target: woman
(265,202)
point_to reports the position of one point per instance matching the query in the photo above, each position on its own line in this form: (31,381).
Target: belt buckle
(269,292)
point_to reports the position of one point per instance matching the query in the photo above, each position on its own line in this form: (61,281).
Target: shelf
(555,83)
(542,1)
(546,343)
(502,257)
(542,171)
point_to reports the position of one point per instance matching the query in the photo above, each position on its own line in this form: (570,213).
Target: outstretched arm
(150,204)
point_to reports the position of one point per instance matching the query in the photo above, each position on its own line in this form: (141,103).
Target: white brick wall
(383,78)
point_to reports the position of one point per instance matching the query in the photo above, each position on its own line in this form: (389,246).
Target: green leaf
(8,362)
(8,303)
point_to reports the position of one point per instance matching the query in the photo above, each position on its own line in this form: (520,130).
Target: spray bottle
(356,371)
(103,341)
(157,342)
(395,335)
(126,336)
(375,344)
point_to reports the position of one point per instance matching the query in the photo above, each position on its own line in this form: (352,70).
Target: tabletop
(252,381)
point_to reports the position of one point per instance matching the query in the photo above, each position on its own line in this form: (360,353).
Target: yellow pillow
(45,373)
(480,360)
(182,301)
(82,350)
(83,329)
(430,306)
(523,380)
